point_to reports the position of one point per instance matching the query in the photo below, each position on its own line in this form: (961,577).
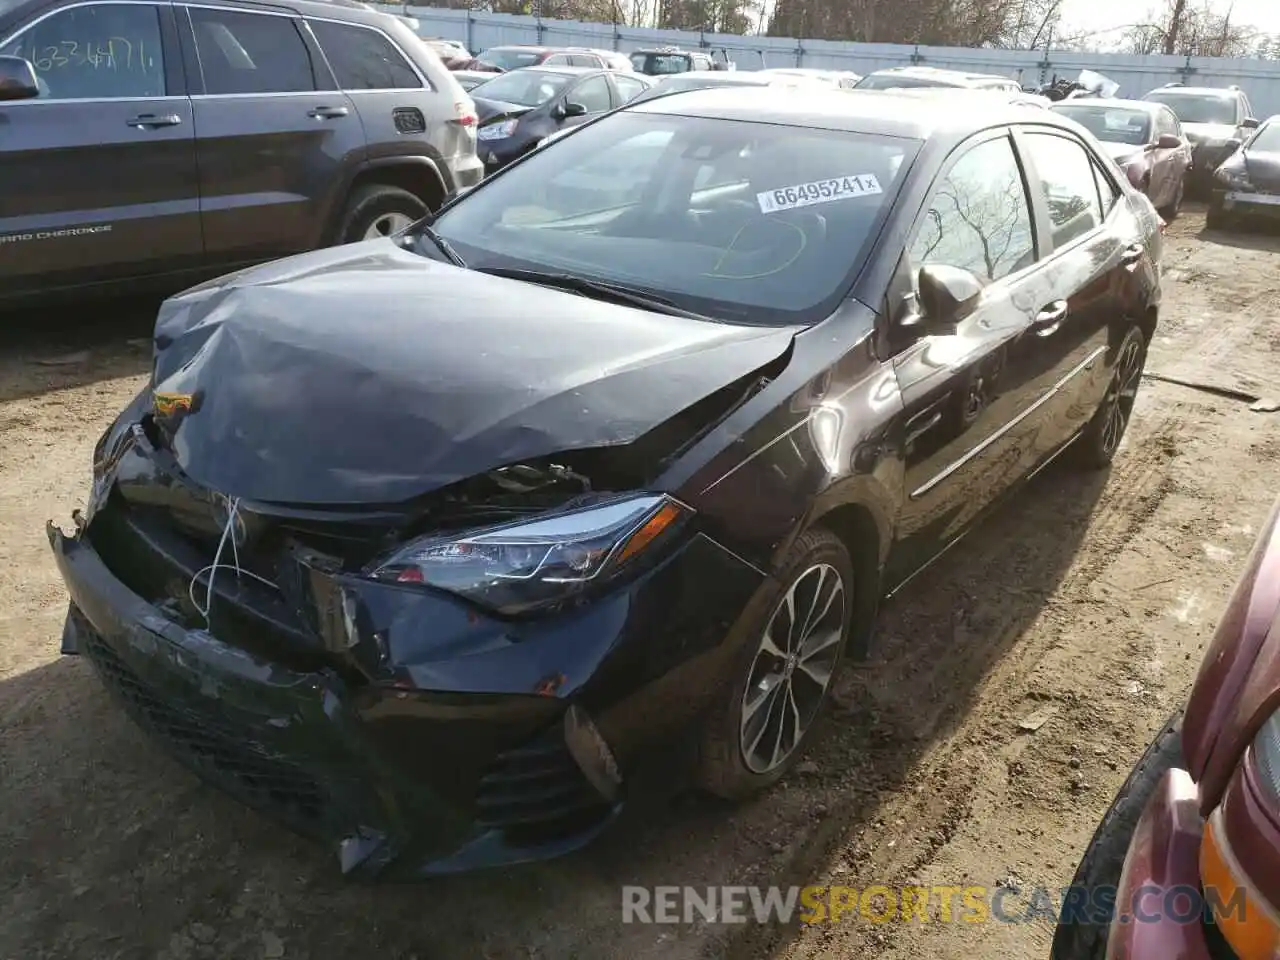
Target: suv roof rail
(1175,83)
(1235,87)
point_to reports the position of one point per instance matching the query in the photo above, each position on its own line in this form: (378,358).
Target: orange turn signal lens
(1254,930)
(649,531)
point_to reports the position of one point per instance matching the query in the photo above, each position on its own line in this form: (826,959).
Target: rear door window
(628,88)
(592,93)
(1068,185)
(100,51)
(250,52)
(364,59)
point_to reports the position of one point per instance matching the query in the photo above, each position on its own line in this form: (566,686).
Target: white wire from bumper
(233,513)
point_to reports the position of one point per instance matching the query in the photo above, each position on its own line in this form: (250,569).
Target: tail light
(464,113)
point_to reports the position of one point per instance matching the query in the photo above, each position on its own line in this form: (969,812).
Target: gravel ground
(1080,611)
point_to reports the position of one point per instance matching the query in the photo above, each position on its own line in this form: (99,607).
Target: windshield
(746,222)
(510,58)
(1267,139)
(657,64)
(1108,123)
(524,88)
(1198,108)
(889,81)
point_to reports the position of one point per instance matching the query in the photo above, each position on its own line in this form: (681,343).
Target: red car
(1144,139)
(1186,863)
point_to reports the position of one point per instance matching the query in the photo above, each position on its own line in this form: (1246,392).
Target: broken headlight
(541,561)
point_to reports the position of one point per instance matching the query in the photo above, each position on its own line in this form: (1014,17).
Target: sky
(1112,17)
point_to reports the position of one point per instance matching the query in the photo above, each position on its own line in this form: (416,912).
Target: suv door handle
(149,121)
(327,113)
(1050,318)
(1132,255)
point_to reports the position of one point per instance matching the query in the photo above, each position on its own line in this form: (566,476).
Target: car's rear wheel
(378,210)
(783,677)
(1101,438)
(1085,937)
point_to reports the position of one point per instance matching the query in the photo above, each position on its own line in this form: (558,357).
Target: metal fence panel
(1260,79)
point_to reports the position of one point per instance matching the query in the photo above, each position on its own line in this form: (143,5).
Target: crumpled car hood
(489,109)
(367,374)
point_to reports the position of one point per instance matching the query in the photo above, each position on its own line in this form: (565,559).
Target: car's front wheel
(1101,438)
(1085,937)
(784,675)
(1171,212)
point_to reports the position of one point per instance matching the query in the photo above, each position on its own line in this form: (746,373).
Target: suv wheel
(378,210)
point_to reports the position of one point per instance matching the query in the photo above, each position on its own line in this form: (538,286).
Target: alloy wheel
(1121,394)
(792,669)
(386,225)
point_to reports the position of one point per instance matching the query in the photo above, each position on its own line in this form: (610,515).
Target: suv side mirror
(946,296)
(571,109)
(1249,123)
(18,79)
(1168,141)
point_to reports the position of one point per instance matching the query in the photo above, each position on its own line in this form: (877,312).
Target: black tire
(723,768)
(1170,213)
(1104,857)
(1098,443)
(375,204)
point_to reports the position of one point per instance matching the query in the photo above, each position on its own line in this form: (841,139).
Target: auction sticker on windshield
(818,191)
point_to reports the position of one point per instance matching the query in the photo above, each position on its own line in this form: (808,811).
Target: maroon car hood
(1238,686)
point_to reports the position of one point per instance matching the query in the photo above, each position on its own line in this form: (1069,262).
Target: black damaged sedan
(433,547)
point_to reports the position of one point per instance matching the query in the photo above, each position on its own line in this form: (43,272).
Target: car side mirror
(1250,123)
(1168,141)
(571,109)
(946,295)
(18,79)
(1234,144)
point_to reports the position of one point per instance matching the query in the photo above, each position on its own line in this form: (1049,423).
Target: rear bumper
(1163,857)
(294,744)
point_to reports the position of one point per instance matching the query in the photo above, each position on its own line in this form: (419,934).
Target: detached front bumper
(1241,203)
(480,743)
(289,743)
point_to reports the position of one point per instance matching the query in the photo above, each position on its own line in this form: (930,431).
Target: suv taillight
(464,113)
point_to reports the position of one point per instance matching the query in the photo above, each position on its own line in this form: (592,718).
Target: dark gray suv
(147,139)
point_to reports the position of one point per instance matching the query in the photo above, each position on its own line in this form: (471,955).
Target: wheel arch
(418,175)
(866,535)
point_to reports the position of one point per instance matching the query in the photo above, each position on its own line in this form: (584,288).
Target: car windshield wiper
(441,244)
(599,289)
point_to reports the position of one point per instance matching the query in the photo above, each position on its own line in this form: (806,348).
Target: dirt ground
(1014,684)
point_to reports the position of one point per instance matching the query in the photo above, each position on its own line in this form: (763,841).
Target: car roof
(1146,106)
(1223,93)
(855,111)
(556,68)
(940,72)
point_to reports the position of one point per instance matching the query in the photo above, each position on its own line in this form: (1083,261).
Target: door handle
(327,113)
(149,121)
(1050,318)
(1132,255)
